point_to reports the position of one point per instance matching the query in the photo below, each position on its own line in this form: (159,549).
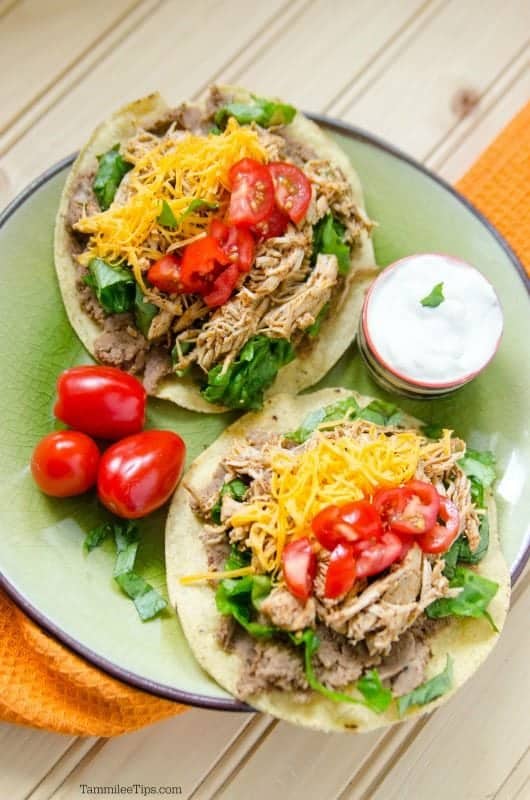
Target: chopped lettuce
(430,690)
(381,413)
(434,298)
(328,238)
(259,109)
(111,169)
(166,216)
(147,600)
(143,312)
(236,488)
(243,383)
(477,593)
(433,430)
(377,411)
(314,329)
(479,465)
(376,697)
(242,597)
(114,286)
(342,409)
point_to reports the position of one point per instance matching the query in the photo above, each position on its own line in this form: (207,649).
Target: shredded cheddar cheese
(175,171)
(331,471)
(217,576)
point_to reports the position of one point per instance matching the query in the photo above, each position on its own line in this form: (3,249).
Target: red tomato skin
(65,463)
(440,538)
(341,572)
(292,189)
(346,523)
(379,555)
(410,509)
(299,566)
(139,473)
(202,261)
(103,402)
(165,274)
(275,225)
(222,287)
(252,197)
(237,244)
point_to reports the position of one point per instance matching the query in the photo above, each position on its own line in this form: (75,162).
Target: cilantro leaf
(328,238)
(111,169)
(261,110)
(472,601)
(143,312)
(435,297)
(430,690)
(342,409)
(114,286)
(242,385)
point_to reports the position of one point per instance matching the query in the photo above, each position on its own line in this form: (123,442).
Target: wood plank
(476,739)
(59,771)
(177,751)
(210,33)
(517,784)
(51,35)
(350,35)
(26,755)
(417,101)
(459,151)
(76,71)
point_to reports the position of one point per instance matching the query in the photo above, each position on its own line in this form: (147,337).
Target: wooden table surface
(439,79)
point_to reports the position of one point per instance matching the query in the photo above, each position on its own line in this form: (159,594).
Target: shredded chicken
(287,612)
(333,185)
(160,325)
(299,312)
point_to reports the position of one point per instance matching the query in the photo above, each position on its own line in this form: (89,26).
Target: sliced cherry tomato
(165,274)
(65,463)
(346,523)
(275,225)
(379,555)
(139,473)
(409,509)
(202,261)
(222,287)
(237,244)
(440,538)
(292,189)
(252,198)
(102,401)
(341,572)
(299,567)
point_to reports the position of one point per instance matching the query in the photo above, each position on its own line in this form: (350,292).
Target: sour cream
(429,349)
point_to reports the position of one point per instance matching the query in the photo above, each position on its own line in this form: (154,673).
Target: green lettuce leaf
(241,597)
(242,385)
(237,489)
(148,602)
(328,238)
(375,696)
(479,465)
(435,297)
(314,329)
(343,409)
(166,216)
(477,593)
(381,413)
(97,536)
(143,312)
(114,286)
(111,169)
(428,691)
(259,109)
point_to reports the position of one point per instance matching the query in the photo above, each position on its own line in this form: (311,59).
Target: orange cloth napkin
(45,685)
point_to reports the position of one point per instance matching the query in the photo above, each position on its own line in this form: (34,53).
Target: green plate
(42,562)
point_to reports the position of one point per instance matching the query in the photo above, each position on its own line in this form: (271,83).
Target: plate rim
(121,673)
